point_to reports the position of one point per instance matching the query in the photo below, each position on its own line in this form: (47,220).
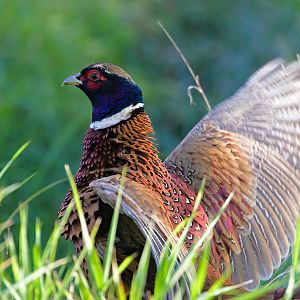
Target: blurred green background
(42,42)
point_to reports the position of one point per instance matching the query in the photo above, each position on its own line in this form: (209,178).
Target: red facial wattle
(93,79)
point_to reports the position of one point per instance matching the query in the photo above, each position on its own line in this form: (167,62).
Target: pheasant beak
(72,80)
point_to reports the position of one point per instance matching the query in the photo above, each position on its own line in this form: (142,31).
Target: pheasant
(249,144)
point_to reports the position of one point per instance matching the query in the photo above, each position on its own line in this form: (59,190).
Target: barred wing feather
(250,143)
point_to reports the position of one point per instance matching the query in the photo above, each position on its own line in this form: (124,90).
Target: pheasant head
(112,92)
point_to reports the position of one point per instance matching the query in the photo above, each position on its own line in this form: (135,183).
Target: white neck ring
(123,115)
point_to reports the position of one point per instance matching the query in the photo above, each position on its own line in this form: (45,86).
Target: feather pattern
(262,123)
(106,152)
(147,213)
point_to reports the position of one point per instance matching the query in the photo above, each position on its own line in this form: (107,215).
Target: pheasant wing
(141,205)
(250,144)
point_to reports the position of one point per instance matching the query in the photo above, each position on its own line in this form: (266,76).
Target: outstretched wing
(141,205)
(250,143)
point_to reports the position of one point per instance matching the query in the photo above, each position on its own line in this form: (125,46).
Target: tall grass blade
(187,260)
(35,195)
(50,248)
(36,274)
(295,265)
(4,192)
(11,290)
(140,277)
(23,241)
(113,229)
(84,229)
(170,256)
(198,283)
(14,157)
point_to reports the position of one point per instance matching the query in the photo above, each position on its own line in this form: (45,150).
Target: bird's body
(249,144)
(129,144)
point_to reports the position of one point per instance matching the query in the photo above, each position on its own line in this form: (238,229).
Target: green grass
(32,270)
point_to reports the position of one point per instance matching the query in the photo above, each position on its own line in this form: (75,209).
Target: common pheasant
(249,144)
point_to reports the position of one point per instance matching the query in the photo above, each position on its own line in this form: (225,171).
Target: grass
(33,271)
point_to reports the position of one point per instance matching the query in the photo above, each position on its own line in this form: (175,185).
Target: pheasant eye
(95,76)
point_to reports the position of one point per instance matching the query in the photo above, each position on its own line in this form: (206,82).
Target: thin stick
(196,87)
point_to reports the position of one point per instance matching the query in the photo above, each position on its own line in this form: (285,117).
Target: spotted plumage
(249,144)
(129,144)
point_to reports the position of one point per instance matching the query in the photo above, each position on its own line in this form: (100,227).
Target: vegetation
(33,271)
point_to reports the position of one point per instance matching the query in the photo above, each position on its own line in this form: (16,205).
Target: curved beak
(72,80)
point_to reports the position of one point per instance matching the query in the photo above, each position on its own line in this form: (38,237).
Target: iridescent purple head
(112,92)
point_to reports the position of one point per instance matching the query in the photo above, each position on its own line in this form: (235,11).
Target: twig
(196,87)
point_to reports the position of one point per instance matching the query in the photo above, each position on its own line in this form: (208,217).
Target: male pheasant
(249,144)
